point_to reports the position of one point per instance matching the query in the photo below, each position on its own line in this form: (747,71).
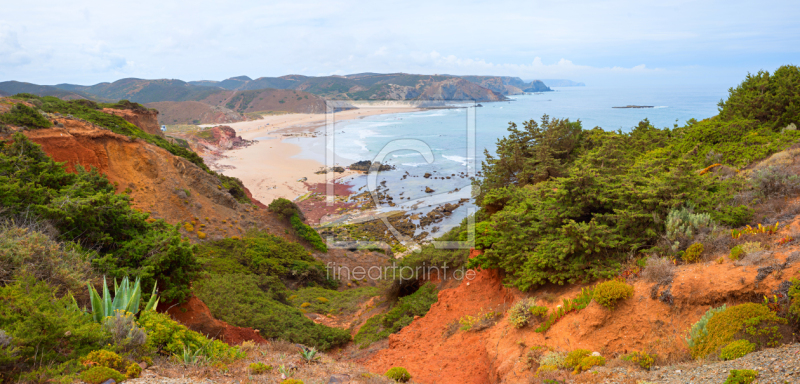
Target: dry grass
(277,354)
(658,269)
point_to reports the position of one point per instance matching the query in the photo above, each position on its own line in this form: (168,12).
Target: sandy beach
(269,168)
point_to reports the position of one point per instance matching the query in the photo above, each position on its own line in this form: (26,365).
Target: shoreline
(269,168)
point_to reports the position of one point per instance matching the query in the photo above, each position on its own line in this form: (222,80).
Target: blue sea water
(444,132)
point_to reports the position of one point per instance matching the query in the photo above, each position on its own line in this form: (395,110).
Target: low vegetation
(381,326)
(610,292)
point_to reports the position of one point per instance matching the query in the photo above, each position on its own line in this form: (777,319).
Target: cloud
(12,54)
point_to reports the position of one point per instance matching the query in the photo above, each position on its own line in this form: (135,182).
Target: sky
(601,43)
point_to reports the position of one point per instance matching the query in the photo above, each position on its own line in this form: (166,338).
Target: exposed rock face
(225,138)
(195,315)
(365,165)
(168,186)
(147,120)
(459,89)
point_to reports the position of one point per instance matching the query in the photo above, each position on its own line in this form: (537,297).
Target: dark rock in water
(426,175)
(365,165)
(429,190)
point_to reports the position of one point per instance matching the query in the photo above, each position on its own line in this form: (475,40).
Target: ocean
(445,131)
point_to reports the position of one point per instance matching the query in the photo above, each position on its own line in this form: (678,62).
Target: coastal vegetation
(566,204)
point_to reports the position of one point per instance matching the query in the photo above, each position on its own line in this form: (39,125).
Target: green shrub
(573,359)
(104,358)
(567,205)
(26,251)
(554,359)
(752,320)
(284,208)
(699,329)
(84,207)
(337,302)
(538,311)
(25,116)
(608,293)
(171,338)
(133,371)
(520,312)
(41,327)
(741,376)
(264,254)
(308,234)
(238,300)
(398,374)
(736,253)
(97,375)
(259,368)
(643,359)
(291,381)
(736,349)
(588,362)
(794,296)
(684,223)
(692,254)
(402,314)
(770,99)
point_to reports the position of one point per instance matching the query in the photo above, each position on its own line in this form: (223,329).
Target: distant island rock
(636,106)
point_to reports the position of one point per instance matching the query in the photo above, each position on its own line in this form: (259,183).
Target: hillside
(508,85)
(8,88)
(193,112)
(144,91)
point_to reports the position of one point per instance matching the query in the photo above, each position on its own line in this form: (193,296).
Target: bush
(736,349)
(259,368)
(98,375)
(573,359)
(125,333)
(699,329)
(84,207)
(794,295)
(609,292)
(238,300)
(308,234)
(567,204)
(741,376)
(553,359)
(133,371)
(25,116)
(684,224)
(693,253)
(285,208)
(588,362)
(658,269)
(104,358)
(291,381)
(770,99)
(520,312)
(336,302)
(398,374)
(775,181)
(643,359)
(736,253)
(171,338)
(264,254)
(752,320)
(381,326)
(539,311)
(23,251)
(40,327)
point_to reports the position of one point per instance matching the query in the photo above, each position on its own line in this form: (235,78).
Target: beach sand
(269,169)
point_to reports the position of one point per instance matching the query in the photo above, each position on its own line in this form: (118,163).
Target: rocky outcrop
(224,137)
(145,119)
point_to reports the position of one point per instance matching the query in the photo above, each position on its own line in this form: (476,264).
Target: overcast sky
(597,42)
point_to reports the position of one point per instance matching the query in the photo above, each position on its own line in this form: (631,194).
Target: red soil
(499,354)
(195,315)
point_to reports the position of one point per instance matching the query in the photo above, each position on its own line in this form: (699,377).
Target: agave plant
(126,298)
(309,355)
